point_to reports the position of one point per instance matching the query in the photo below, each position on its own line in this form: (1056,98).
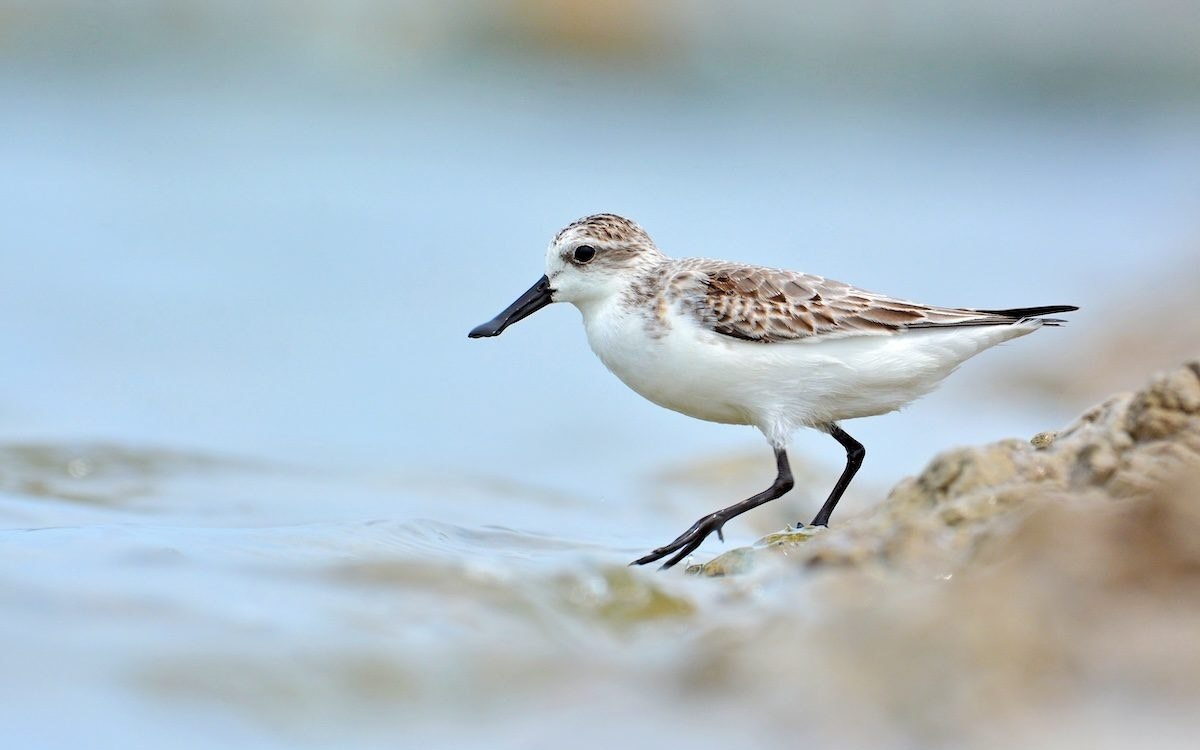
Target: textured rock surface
(968,500)
(1074,628)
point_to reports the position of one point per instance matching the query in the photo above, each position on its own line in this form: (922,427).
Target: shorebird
(741,344)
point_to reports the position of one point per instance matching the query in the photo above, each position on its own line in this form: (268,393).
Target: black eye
(584,253)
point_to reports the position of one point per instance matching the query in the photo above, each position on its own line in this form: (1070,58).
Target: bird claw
(686,543)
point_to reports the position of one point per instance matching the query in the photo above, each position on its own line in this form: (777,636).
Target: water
(172,596)
(258,488)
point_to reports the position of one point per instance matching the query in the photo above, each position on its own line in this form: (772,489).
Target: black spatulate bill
(538,296)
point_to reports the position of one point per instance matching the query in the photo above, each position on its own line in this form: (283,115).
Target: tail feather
(1002,317)
(1025,313)
(1018,313)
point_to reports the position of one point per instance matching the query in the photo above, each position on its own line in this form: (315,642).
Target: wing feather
(770,305)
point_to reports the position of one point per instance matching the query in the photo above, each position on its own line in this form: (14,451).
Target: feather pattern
(770,305)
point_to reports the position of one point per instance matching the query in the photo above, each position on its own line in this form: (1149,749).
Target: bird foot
(687,542)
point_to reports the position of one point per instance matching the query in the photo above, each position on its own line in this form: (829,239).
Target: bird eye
(584,254)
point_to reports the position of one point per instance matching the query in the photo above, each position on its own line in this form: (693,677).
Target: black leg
(689,540)
(854,458)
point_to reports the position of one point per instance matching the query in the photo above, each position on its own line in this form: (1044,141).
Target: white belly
(780,386)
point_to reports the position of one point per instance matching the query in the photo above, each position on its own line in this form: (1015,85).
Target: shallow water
(162,598)
(155,591)
(258,488)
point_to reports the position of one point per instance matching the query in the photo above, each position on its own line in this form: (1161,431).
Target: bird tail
(1025,313)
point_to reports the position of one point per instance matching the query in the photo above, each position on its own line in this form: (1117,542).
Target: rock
(1012,594)
(742,559)
(1074,625)
(968,500)
(1043,439)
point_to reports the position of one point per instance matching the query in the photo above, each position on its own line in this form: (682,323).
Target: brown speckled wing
(770,305)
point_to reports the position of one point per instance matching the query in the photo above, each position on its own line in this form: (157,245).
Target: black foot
(687,542)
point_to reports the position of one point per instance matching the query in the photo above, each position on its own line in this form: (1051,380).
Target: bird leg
(689,540)
(854,458)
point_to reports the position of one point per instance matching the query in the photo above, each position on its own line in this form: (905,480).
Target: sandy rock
(1077,624)
(1125,448)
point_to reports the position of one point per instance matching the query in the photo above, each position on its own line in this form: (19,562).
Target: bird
(742,344)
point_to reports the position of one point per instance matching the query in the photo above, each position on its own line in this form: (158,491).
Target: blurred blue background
(263,230)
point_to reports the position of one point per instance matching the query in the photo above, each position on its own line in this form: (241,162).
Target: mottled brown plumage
(754,303)
(771,305)
(614,234)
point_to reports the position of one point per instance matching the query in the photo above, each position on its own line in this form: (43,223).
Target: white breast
(669,362)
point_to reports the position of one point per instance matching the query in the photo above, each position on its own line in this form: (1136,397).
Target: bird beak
(538,296)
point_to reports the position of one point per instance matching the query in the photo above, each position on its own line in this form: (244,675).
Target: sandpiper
(741,344)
